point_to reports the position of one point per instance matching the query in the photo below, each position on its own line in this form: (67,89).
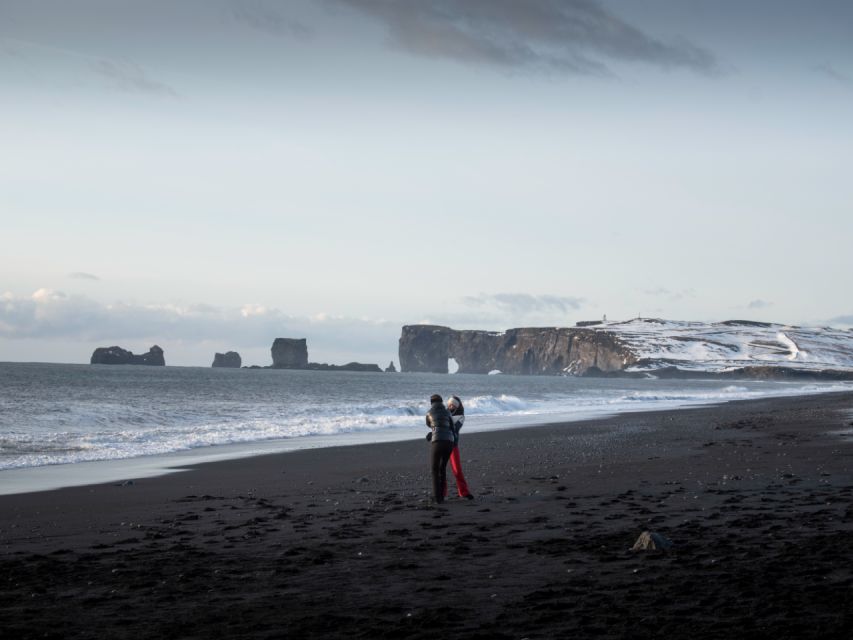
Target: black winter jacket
(439,420)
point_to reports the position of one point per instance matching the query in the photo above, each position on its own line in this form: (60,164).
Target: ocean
(73,415)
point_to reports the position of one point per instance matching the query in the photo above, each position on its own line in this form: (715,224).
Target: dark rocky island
(642,347)
(391,368)
(117,355)
(229,360)
(292,353)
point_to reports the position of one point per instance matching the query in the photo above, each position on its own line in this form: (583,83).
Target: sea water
(62,414)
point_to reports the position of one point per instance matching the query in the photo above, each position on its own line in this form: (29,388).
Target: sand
(756,497)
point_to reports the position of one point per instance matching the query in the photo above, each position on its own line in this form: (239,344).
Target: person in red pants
(457,412)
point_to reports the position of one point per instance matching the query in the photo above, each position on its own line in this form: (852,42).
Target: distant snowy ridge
(727,346)
(638,347)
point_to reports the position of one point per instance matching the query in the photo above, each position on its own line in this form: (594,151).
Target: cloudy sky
(211,174)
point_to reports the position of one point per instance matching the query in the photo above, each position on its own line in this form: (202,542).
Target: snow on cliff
(722,346)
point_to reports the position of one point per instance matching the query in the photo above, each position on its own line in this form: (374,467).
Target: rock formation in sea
(638,347)
(117,355)
(290,353)
(391,368)
(230,359)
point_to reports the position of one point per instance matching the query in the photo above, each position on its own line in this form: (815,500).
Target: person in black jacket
(441,435)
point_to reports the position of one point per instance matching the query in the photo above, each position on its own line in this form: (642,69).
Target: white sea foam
(57,414)
(497,405)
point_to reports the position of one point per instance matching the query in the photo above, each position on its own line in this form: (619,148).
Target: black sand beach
(756,495)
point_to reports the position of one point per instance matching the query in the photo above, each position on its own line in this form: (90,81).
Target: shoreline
(52,477)
(757,496)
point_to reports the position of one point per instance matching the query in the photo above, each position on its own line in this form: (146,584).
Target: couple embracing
(445,423)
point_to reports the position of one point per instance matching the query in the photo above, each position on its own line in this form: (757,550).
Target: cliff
(117,355)
(230,360)
(527,351)
(639,347)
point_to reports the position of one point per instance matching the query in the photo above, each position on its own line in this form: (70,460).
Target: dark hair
(435,398)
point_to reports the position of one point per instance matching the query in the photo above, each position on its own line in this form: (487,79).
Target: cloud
(657,291)
(672,295)
(524,303)
(828,71)
(259,15)
(120,75)
(129,77)
(846,320)
(8,49)
(82,275)
(759,304)
(568,37)
(249,310)
(51,315)
(45,313)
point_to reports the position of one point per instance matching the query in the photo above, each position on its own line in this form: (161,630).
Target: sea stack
(290,353)
(117,355)
(391,368)
(229,360)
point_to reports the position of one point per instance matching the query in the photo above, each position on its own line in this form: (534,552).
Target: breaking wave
(59,414)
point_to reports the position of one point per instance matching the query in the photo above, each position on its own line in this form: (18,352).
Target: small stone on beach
(651,541)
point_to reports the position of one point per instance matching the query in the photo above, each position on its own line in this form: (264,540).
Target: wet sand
(757,497)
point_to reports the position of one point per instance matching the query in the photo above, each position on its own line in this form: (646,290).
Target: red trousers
(456,465)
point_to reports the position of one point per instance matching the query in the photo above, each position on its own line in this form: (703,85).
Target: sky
(208,175)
